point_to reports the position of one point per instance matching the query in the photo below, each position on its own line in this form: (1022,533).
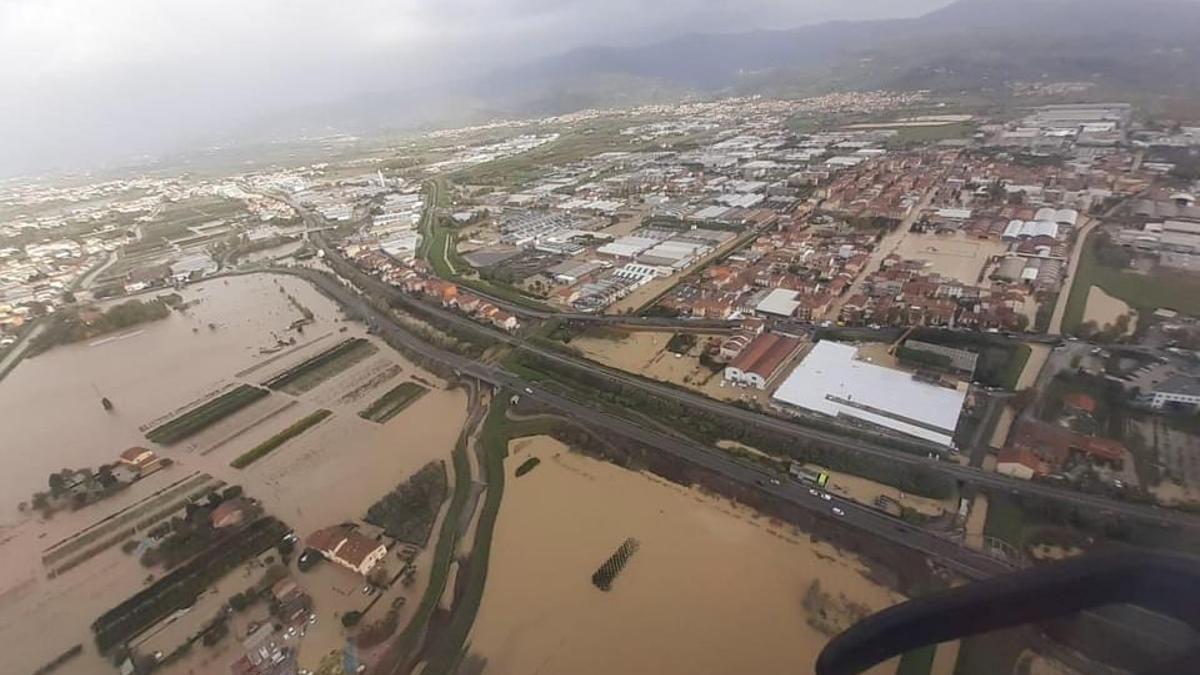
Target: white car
(813,492)
(838,512)
(528,390)
(826,496)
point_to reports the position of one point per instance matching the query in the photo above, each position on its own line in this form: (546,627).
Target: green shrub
(266,447)
(206,415)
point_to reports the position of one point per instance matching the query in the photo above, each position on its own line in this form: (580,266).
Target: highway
(967,474)
(969,563)
(946,551)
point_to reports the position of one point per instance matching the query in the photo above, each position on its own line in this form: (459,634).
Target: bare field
(714,588)
(954,256)
(1103,309)
(645,353)
(865,491)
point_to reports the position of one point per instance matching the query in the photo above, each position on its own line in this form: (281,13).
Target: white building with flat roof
(779,302)
(831,381)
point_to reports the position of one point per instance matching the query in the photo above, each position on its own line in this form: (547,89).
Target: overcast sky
(88,81)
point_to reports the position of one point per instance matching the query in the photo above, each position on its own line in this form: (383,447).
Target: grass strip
(393,402)
(452,641)
(206,415)
(266,447)
(1011,374)
(409,639)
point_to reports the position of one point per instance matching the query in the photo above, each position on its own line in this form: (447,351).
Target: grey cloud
(89,81)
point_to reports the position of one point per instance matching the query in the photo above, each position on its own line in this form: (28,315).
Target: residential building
(347,547)
(1020,463)
(759,362)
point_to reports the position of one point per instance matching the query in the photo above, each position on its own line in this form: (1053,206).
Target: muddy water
(713,589)
(50,407)
(330,474)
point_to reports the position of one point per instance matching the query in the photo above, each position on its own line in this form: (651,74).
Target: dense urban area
(889,341)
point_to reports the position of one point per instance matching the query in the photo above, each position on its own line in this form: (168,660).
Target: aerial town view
(614,359)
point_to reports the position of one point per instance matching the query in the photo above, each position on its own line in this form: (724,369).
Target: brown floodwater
(50,408)
(714,588)
(50,404)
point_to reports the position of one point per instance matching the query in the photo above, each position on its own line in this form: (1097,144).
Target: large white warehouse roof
(831,381)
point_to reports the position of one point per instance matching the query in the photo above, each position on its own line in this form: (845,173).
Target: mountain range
(1149,44)
(1143,46)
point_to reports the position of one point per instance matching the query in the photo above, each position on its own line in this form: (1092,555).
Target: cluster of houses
(415,277)
(905,293)
(795,272)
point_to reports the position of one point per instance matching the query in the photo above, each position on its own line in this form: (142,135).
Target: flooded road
(714,588)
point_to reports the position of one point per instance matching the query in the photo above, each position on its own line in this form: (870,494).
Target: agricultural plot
(604,576)
(266,447)
(206,415)
(312,372)
(393,402)
(179,588)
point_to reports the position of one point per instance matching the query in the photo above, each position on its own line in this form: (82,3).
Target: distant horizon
(93,85)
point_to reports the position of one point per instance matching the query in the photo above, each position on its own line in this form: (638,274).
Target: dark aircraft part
(1168,584)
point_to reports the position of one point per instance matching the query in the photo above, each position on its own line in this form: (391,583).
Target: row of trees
(407,513)
(603,577)
(182,586)
(72,324)
(923,358)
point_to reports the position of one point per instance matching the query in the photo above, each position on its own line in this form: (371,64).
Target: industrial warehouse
(830,380)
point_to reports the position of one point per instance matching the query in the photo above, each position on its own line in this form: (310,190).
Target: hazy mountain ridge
(972,45)
(968,44)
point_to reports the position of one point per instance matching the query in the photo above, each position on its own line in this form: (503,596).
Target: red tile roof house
(1055,445)
(142,460)
(762,359)
(348,548)
(1020,463)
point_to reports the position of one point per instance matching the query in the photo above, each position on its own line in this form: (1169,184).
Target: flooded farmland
(234,331)
(714,588)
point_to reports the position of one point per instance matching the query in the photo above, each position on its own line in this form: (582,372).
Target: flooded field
(714,588)
(52,401)
(235,331)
